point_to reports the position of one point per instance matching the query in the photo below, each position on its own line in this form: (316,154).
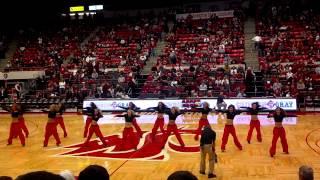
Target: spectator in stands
(241,94)
(301,85)
(277,86)
(203,88)
(94,74)
(182,175)
(62,86)
(220,102)
(317,70)
(94,172)
(3,93)
(40,175)
(173,57)
(305,173)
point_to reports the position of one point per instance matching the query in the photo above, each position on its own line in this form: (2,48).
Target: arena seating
(197,52)
(289,50)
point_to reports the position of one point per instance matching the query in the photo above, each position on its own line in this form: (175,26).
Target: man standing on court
(207,147)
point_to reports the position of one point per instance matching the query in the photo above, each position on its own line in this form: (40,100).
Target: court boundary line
(306,139)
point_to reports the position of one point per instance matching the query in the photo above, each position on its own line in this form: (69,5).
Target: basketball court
(150,161)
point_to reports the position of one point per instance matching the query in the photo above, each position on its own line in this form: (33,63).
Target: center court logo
(147,149)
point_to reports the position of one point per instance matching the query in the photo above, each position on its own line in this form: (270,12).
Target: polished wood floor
(251,163)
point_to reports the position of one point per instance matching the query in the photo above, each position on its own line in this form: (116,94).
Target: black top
(253,111)
(220,99)
(128,118)
(96,115)
(277,118)
(208,136)
(15,114)
(160,109)
(203,110)
(52,114)
(173,116)
(231,115)
(88,111)
(133,108)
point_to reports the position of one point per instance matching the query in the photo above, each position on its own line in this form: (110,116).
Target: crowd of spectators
(289,50)
(202,57)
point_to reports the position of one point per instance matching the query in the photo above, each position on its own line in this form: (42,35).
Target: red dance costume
(278,131)
(203,121)
(15,130)
(254,124)
(137,127)
(172,127)
(89,113)
(94,128)
(51,129)
(133,107)
(60,121)
(87,125)
(159,123)
(23,125)
(229,129)
(129,138)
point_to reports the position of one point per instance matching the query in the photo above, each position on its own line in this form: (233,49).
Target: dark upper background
(20,13)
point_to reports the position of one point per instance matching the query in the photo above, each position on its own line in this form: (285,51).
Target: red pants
(61,123)
(137,127)
(202,122)
(158,124)
(279,132)
(229,129)
(15,130)
(86,127)
(173,128)
(254,124)
(129,139)
(51,130)
(23,126)
(96,130)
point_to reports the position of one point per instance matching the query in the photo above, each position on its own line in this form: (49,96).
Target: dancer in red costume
(278,131)
(159,123)
(254,123)
(60,121)
(134,108)
(129,139)
(22,121)
(89,112)
(229,129)
(15,128)
(94,127)
(51,127)
(173,113)
(204,118)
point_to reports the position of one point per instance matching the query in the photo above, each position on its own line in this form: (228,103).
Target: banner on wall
(288,104)
(206,15)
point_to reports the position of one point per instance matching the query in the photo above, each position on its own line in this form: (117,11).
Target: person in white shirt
(289,75)
(203,88)
(94,74)
(226,83)
(62,86)
(121,79)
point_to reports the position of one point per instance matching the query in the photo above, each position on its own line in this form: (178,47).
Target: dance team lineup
(132,131)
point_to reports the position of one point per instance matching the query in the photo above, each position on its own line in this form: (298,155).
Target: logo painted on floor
(148,149)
